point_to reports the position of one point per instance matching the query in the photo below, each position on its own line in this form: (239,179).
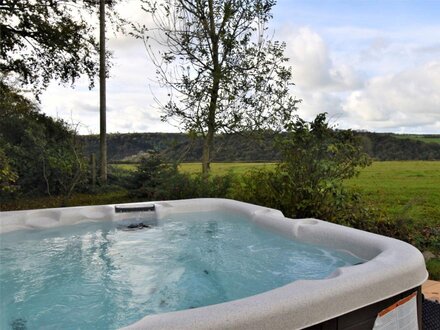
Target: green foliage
(146,175)
(428,138)
(428,238)
(7,174)
(387,146)
(46,40)
(214,186)
(433,267)
(156,179)
(37,49)
(308,181)
(119,176)
(42,152)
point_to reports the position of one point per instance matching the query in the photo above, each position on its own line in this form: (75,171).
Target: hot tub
(350,297)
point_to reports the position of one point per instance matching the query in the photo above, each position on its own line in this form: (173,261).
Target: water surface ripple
(97,276)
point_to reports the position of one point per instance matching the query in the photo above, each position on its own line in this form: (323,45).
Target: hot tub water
(96,275)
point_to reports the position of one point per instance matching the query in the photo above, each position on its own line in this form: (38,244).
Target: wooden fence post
(93,166)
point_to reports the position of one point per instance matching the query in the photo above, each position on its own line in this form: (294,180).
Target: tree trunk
(102,95)
(208,144)
(207,152)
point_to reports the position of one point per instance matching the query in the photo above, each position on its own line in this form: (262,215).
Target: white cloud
(309,56)
(318,102)
(400,101)
(319,82)
(398,93)
(313,67)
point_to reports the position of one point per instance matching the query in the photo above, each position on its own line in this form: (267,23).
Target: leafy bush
(157,179)
(308,180)
(428,238)
(213,186)
(433,267)
(152,178)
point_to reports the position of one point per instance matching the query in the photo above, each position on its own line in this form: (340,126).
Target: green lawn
(223,168)
(217,168)
(405,189)
(127,167)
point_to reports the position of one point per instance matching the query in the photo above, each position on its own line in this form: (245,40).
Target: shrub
(308,180)
(157,179)
(214,186)
(433,266)
(154,179)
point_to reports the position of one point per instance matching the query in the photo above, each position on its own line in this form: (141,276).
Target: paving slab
(431,290)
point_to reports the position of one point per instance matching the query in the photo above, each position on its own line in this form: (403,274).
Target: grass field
(126,167)
(217,168)
(223,168)
(409,190)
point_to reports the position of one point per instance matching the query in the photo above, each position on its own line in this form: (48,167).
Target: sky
(370,64)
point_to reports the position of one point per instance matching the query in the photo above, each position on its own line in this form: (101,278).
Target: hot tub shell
(392,269)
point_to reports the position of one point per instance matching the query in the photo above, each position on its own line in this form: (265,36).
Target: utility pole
(102,95)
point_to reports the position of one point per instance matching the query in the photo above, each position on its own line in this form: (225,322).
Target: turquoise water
(97,276)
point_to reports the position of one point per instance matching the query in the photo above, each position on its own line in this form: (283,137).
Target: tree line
(131,147)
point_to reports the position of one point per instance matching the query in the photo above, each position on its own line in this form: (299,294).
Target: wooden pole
(102,95)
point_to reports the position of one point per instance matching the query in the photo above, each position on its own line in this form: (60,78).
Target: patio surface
(431,290)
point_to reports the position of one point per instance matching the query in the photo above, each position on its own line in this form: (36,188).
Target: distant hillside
(387,146)
(178,146)
(428,138)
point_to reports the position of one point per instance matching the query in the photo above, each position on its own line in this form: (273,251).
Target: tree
(39,155)
(45,40)
(224,73)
